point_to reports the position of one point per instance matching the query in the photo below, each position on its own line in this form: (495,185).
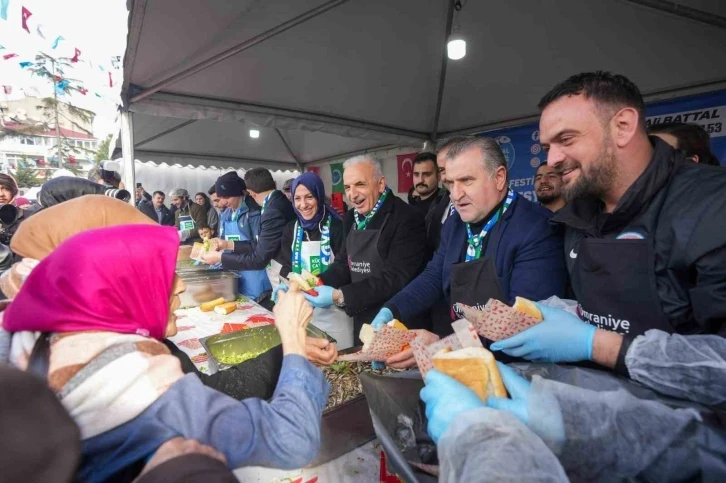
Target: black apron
(474,283)
(614,282)
(364,262)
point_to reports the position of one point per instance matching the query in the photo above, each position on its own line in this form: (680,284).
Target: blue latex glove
(324,298)
(560,337)
(383,317)
(445,399)
(281,287)
(518,389)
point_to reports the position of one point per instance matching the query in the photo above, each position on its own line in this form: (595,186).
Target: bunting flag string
(39,31)
(75,57)
(23,65)
(57,41)
(26,15)
(9,56)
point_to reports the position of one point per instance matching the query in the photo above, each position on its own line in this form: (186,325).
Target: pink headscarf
(116,279)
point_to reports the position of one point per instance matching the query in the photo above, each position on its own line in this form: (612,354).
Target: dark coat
(64,188)
(256,255)
(402,249)
(198,214)
(337,240)
(529,259)
(147,208)
(680,206)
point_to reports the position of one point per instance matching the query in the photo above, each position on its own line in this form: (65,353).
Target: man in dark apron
(645,243)
(494,245)
(384,248)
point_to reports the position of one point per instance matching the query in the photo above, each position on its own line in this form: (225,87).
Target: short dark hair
(692,139)
(448,142)
(425,157)
(212,190)
(204,195)
(259,180)
(159,193)
(203,226)
(491,153)
(606,89)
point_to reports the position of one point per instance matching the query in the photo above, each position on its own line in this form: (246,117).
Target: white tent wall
(163,177)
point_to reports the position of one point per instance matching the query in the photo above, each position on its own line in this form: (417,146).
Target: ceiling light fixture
(456,46)
(254,133)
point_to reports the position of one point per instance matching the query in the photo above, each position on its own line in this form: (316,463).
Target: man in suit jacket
(276,212)
(496,245)
(156,210)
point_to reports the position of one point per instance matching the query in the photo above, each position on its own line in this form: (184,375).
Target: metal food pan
(247,344)
(206,285)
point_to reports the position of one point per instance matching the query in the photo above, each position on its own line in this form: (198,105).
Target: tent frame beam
(127,146)
(682,11)
(442,74)
(164,133)
(289,149)
(212,157)
(283,27)
(350,154)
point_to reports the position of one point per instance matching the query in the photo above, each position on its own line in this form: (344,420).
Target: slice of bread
(475,367)
(297,279)
(528,307)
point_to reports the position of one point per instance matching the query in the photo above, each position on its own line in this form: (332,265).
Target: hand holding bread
(292,316)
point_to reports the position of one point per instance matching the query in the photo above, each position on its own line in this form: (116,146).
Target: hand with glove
(324,299)
(546,422)
(446,399)
(560,337)
(383,317)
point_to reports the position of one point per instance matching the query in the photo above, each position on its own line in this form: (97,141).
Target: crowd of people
(625,224)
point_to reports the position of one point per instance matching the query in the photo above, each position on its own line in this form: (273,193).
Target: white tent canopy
(322,79)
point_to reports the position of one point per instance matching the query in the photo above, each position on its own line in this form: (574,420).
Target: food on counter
(226,308)
(344,383)
(528,307)
(498,320)
(228,328)
(474,367)
(368,333)
(209,306)
(382,344)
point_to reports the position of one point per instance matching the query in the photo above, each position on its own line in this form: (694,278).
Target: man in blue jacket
(496,245)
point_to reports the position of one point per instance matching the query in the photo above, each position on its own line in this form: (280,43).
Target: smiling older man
(495,245)
(384,249)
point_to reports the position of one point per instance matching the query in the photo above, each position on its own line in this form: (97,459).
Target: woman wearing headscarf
(212,216)
(125,391)
(41,234)
(312,242)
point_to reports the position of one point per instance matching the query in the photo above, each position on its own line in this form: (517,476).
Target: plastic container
(227,350)
(206,285)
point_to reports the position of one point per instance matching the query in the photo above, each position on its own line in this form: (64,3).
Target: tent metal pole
(289,149)
(127,148)
(164,133)
(310,14)
(350,154)
(682,11)
(442,73)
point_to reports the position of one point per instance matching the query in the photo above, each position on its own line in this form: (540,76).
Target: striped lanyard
(264,203)
(297,262)
(473,249)
(362,224)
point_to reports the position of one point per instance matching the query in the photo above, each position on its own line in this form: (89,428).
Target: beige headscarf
(40,234)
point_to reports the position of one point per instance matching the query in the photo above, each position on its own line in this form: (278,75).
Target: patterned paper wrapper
(387,342)
(498,320)
(464,336)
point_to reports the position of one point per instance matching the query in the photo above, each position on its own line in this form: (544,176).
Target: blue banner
(524,154)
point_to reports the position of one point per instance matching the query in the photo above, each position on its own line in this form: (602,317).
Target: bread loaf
(474,367)
(225,309)
(528,307)
(209,306)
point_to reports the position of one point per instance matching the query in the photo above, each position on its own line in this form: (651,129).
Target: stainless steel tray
(250,342)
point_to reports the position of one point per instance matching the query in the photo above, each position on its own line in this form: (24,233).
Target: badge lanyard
(362,224)
(264,203)
(473,249)
(297,264)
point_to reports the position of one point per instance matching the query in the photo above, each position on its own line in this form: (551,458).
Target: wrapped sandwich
(305,284)
(475,368)
(379,345)
(499,321)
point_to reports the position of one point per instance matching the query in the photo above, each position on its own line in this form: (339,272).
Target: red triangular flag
(110,80)
(26,16)
(75,57)
(83,91)
(9,56)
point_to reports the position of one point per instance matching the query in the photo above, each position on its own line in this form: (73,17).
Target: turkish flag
(75,57)
(26,16)
(405,171)
(314,169)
